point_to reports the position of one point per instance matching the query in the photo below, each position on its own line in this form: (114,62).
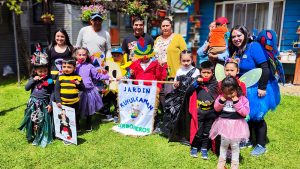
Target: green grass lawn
(103,148)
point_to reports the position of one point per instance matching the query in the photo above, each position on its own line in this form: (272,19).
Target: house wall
(7,46)
(207,16)
(290,24)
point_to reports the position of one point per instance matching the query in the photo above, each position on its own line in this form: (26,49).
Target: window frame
(270,12)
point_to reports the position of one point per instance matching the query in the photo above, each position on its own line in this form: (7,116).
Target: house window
(256,16)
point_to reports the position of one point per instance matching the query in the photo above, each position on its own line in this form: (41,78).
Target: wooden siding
(207,16)
(290,24)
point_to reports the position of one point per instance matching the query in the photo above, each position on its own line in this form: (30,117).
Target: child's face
(206,73)
(67,68)
(81,55)
(117,57)
(43,71)
(144,60)
(229,93)
(186,60)
(231,69)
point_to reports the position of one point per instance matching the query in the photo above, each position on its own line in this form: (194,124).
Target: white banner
(136,104)
(65,123)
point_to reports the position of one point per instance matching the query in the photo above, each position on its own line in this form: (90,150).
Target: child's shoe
(194,152)
(108,118)
(258,150)
(116,119)
(89,128)
(247,144)
(221,163)
(204,154)
(234,165)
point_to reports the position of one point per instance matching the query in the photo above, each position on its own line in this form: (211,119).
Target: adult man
(130,41)
(94,38)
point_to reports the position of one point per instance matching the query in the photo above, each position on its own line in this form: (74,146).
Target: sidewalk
(289,89)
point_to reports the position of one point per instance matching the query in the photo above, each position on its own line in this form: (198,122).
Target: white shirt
(184,70)
(94,41)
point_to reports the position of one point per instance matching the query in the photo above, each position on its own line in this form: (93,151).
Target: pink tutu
(233,129)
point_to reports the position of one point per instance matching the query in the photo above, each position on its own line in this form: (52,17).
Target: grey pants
(235,149)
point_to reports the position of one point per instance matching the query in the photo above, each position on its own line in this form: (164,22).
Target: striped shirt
(66,90)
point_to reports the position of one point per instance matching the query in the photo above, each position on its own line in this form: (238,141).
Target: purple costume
(90,100)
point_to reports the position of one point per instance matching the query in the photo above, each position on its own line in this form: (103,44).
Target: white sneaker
(108,118)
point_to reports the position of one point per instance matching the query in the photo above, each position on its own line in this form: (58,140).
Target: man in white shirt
(94,38)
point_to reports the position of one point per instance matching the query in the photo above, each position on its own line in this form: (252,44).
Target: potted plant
(47,18)
(135,8)
(86,12)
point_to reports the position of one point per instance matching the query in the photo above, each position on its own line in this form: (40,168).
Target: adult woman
(168,47)
(265,94)
(60,48)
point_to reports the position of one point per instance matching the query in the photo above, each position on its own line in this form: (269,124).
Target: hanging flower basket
(161,13)
(86,12)
(47,18)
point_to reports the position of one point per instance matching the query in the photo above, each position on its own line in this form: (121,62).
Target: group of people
(196,108)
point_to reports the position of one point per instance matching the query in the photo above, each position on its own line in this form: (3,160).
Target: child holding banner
(67,88)
(203,92)
(90,100)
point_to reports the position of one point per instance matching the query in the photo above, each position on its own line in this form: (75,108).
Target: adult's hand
(213,56)
(261,93)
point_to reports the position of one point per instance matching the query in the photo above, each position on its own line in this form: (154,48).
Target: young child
(231,125)
(206,87)
(146,69)
(90,100)
(217,41)
(67,88)
(37,118)
(174,100)
(110,97)
(231,68)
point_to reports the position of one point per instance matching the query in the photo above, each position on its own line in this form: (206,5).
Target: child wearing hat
(217,40)
(110,96)
(37,120)
(146,69)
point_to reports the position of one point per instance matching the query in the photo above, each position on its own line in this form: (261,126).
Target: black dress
(176,122)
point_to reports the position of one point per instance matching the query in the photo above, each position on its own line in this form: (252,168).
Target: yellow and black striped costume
(66,91)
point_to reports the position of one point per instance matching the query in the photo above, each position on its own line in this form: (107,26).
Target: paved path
(289,89)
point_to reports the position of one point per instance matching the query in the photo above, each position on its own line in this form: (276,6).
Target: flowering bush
(47,16)
(86,12)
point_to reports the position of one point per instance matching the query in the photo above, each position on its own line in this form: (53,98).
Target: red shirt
(153,72)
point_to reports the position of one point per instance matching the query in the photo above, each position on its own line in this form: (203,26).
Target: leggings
(235,149)
(260,130)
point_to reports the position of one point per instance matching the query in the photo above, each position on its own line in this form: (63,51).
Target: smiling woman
(60,48)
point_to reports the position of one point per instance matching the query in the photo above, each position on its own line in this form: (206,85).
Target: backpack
(268,41)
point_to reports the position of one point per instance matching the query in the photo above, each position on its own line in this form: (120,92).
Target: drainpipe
(16,47)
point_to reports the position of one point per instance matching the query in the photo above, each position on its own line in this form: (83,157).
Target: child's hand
(77,82)
(234,96)
(119,78)
(176,84)
(200,79)
(36,78)
(59,105)
(131,71)
(49,108)
(223,98)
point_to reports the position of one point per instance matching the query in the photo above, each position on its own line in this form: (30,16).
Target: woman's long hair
(231,47)
(67,39)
